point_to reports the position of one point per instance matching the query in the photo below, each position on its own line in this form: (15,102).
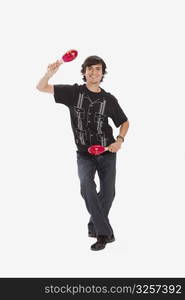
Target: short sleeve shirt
(89,114)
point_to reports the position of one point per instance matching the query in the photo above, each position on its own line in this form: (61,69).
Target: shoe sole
(97,249)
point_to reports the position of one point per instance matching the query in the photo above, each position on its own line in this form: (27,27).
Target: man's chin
(95,81)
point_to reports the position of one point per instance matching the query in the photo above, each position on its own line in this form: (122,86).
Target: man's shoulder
(78,88)
(109,96)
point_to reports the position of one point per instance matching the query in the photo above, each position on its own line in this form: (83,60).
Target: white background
(42,215)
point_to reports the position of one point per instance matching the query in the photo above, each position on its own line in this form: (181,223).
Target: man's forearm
(51,70)
(114,147)
(123,129)
(43,82)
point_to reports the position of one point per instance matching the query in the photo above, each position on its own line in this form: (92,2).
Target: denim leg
(106,168)
(90,226)
(107,175)
(87,167)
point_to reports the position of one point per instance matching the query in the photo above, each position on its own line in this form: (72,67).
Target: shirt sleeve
(64,94)
(117,114)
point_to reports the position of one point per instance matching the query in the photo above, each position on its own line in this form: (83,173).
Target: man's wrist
(120,139)
(47,75)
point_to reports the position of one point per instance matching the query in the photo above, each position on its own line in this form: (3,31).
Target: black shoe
(100,244)
(90,234)
(111,239)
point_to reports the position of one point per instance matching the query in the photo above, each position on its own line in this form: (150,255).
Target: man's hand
(115,146)
(53,68)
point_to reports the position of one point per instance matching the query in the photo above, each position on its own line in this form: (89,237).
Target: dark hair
(93,60)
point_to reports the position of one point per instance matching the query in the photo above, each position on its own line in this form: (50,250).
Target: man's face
(93,74)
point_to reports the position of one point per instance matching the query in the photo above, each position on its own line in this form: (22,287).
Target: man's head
(93,69)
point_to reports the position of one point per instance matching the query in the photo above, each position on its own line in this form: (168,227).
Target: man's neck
(93,87)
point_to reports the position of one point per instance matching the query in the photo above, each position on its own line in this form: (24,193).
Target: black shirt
(89,113)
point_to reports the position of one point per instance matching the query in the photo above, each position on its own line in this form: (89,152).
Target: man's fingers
(113,148)
(54,66)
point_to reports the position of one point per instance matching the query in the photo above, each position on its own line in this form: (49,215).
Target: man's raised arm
(43,85)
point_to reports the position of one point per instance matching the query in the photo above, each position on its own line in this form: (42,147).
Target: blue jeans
(98,204)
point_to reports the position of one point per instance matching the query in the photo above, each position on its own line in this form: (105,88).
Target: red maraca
(69,56)
(97,149)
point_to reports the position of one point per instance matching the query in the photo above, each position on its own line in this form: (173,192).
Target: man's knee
(87,182)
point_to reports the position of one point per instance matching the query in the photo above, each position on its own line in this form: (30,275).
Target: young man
(90,107)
